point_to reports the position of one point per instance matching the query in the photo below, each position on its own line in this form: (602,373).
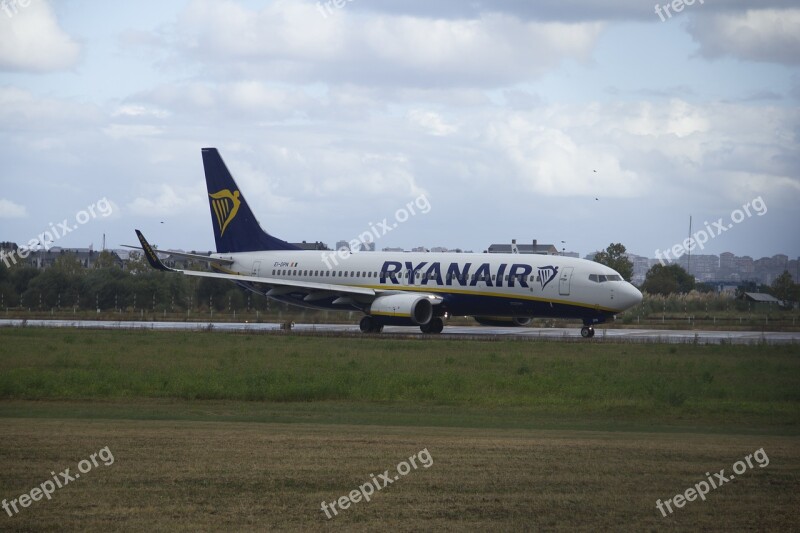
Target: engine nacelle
(402,308)
(503,322)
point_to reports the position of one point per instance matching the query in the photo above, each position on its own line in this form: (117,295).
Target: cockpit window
(601,278)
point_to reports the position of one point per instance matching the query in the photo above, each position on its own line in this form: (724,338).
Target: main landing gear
(587,332)
(436,325)
(369,325)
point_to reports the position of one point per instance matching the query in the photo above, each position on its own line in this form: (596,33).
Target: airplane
(399,288)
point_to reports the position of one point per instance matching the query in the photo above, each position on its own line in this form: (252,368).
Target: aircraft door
(564,280)
(256,267)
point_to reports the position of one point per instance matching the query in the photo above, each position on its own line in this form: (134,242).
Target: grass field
(217,431)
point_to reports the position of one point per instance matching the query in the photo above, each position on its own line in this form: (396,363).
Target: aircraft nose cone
(631,296)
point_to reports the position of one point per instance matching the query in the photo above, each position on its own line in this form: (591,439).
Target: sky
(573,122)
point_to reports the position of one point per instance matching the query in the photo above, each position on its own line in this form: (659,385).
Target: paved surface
(568,334)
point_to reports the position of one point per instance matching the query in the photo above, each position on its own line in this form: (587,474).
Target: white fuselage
(508,285)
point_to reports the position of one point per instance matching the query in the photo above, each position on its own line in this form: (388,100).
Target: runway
(555,334)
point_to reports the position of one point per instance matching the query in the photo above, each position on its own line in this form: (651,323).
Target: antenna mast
(689,250)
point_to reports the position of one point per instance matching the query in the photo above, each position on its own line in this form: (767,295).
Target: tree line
(673,279)
(106,286)
(69,285)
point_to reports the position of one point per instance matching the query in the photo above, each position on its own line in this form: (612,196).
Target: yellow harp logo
(225,205)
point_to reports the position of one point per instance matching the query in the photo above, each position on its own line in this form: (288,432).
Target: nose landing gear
(587,332)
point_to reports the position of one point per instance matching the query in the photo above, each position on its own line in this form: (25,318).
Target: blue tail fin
(235,227)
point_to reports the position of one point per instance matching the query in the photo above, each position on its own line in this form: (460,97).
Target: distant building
(439,250)
(533,248)
(87,257)
(420,249)
(343,245)
(761,298)
(368,247)
(393,250)
(730,268)
(702,267)
(641,265)
(311,245)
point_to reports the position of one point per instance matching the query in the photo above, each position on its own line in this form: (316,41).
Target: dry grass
(194,476)
(518,432)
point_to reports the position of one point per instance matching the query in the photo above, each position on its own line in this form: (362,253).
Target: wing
(278,287)
(184,255)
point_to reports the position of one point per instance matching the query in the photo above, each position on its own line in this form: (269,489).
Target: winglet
(150,254)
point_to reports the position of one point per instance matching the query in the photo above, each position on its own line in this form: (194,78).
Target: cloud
(139,111)
(431,122)
(24,110)
(166,201)
(225,101)
(131,131)
(764,35)
(32,41)
(548,159)
(639,150)
(9,209)
(544,10)
(292,41)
